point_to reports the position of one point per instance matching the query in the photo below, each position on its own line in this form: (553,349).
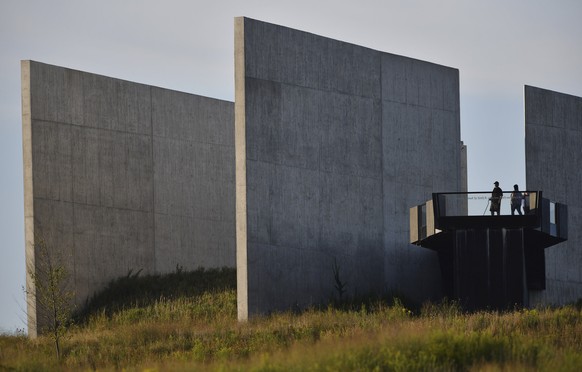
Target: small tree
(50,296)
(340,285)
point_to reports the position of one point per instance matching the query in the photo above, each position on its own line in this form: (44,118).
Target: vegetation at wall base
(199,331)
(139,291)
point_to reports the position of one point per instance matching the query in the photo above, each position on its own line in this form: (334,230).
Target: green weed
(197,330)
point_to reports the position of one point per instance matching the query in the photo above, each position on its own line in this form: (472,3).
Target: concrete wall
(120,176)
(553,143)
(334,143)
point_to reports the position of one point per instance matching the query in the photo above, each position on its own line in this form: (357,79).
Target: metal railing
(481,203)
(462,210)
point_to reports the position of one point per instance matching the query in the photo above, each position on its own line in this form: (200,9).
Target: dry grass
(200,332)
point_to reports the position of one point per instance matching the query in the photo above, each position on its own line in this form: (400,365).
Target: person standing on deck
(495,199)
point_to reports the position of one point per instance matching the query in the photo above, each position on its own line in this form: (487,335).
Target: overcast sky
(498,46)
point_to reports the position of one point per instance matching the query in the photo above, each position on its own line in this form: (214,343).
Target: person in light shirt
(516,198)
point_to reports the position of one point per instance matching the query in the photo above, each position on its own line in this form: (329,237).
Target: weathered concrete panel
(176,235)
(111,168)
(108,243)
(283,55)
(421,155)
(124,177)
(116,105)
(394,79)
(334,143)
(553,129)
(188,117)
(52,160)
(62,95)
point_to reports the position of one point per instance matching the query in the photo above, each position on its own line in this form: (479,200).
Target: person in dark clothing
(495,199)
(516,198)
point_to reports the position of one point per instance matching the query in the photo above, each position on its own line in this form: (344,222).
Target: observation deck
(489,261)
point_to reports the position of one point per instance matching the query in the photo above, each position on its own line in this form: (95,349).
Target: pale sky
(498,46)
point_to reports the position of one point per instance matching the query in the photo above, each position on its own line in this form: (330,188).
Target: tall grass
(133,290)
(197,330)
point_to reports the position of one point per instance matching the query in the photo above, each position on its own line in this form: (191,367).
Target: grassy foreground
(195,328)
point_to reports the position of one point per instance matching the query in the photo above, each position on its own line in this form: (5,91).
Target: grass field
(137,324)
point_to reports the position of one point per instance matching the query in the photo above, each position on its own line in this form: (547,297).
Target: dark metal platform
(489,262)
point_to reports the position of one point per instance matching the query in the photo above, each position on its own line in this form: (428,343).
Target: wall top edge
(247,20)
(547,91)
(36,64)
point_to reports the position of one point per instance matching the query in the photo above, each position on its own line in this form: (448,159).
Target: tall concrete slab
(553,143)
(422,154)
(121,176)
(334,143)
